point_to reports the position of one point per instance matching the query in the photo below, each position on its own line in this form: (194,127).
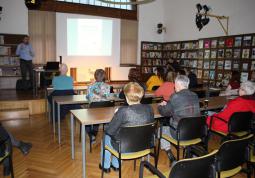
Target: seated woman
(233,85)
(98,91)
(167,88)
(62,85)
(245,102)
(131,115)
(155,80)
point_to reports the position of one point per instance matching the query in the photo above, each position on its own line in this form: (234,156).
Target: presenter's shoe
(25,147)
(106,170)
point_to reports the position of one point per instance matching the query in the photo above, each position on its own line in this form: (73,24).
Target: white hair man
(245,102)
(181,104)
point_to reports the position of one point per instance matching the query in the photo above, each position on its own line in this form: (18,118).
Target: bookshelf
(9,62)
(211,59)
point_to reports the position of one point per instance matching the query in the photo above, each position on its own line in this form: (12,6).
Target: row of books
(1,39)
(9,71)
(181,45)
(219,64)
(152,46)
(152,54)
(5,50)
(154,62)
(7,60)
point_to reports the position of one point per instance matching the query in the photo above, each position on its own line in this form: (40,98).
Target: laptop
(52,66)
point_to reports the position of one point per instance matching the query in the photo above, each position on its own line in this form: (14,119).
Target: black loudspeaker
(33,4)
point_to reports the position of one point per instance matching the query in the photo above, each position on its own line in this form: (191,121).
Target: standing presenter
(26,54)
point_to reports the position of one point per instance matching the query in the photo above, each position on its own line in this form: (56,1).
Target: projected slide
(89,37)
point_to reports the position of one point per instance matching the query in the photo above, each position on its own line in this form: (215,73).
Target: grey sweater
(132,115)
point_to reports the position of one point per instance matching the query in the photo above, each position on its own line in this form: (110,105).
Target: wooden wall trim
(87,10)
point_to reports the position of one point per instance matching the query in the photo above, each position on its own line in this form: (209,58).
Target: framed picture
(214,44)
(247,41)
(238,41)
(229,42)
(237,53)
(227,65)
(221,53)
(213,54)
(220,64)
(221,43)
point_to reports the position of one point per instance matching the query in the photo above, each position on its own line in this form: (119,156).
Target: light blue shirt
(25,51)
(62,82)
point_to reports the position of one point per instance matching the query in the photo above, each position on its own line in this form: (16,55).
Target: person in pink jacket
(167,88)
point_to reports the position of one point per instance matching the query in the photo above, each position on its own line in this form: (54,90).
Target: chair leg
(155,158)
(119,167)
(178,153)
(11,166)
(102,171)
(80,134)
(134,164)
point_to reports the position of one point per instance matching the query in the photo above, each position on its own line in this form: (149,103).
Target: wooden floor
(47,159)
(15,95)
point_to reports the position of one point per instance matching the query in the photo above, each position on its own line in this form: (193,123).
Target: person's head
(181,82)
(170,76)
(26,39)
(247,88)
(235,76)
(63,69)
(133,92)
(99,75)
(134,75)
(160,72)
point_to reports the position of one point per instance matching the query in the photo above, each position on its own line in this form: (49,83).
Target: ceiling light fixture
(132,2)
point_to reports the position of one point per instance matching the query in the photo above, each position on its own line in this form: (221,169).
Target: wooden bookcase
(9,61)
(211,59)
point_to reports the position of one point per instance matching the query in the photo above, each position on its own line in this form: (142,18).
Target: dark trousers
(26,66)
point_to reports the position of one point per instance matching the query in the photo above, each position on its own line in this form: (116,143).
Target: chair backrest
(137,138)
(101,104)
(200,167)
(147,100)
(191,128)
(240,121)
(232,153)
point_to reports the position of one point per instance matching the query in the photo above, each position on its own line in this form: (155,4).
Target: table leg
(53,116)
(59,130)
(83,151)
(72,135)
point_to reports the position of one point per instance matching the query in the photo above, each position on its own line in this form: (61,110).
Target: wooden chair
(200,167)
(137,141)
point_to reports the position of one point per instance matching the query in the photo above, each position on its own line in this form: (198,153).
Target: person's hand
(163,103)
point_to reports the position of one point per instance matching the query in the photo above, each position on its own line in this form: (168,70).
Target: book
(253,53)
(220,64)
(200,64)
(247,41)
(207,44)
(238,41)
(191,63)
(253,40)
(1,39)
(221,43)
(227,65)
(206,74)
(207,54)
(246,53)
(237,53)
(219,76)
(213,54)
(200,55)
(201,44)
(235,65)
(229,42)
(212,64)
(212,74)
(221,53)
(206,64)
(194,63)
(199,73)
(244,76)
(253,65)
(228,53)
(214,44)
(245,66)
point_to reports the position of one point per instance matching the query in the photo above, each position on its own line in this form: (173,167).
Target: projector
(33,4)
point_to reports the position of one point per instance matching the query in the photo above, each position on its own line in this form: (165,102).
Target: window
(99,3)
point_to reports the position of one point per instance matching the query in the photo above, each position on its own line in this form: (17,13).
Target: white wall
(179,16)
(149,15)
(14,17)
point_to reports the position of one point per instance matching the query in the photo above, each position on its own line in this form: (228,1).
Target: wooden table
(104,115)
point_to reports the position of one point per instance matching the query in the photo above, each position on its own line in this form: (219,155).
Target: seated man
(181,104)
(63,85)
(245,102)
(24,147)
(131,115)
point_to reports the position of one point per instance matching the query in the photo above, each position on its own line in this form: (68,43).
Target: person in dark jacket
(131,115)
(181,104)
